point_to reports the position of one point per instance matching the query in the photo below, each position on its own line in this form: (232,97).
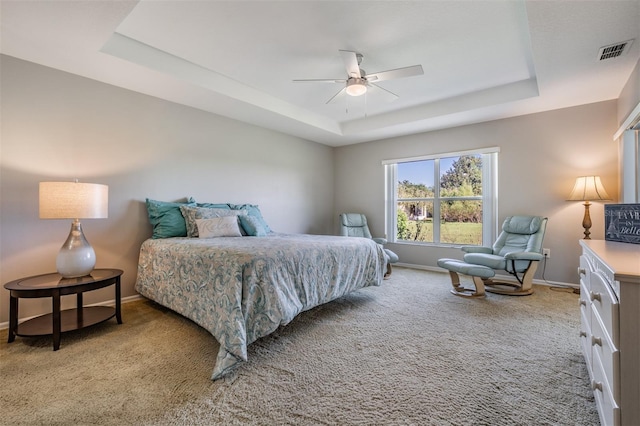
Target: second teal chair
(355,225)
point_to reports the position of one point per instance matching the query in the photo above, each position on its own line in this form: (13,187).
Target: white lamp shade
(73,200)
(588,188)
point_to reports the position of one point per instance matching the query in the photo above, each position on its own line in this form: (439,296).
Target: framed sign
(622,223)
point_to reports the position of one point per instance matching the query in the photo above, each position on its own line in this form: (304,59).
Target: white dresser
(610,327)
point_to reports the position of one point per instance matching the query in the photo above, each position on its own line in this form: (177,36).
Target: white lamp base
(76,257)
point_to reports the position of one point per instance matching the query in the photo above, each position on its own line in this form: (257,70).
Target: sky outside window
(422,171)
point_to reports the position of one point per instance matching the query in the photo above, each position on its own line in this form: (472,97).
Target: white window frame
(489,195)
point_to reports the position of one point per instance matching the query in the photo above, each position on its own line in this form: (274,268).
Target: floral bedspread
(243,288)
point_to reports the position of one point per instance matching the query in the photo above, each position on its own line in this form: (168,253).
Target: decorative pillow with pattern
(191,214)
(226,226)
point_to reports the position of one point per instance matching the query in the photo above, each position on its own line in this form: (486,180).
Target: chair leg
(459,290)
(388,273)
(527,279)
(515,289)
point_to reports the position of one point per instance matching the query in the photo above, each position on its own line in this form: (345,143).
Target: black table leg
(13,318)
(118,310)
(79,310)
(57,319)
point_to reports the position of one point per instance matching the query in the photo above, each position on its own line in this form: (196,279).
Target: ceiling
(482,60)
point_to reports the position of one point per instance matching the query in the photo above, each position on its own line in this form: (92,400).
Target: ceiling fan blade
(389,95)
(335,96)
(397,73)
(351,63)
(321,80)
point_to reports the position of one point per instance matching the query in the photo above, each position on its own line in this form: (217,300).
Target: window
(446,199)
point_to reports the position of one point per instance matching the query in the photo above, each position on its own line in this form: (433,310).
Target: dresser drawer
(605,302)
(608,409)
(607,353)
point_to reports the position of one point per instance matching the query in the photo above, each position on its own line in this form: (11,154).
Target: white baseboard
(4,325)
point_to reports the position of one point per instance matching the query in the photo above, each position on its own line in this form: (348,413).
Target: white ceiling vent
(614,50)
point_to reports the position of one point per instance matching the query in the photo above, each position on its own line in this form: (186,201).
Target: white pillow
(226,226)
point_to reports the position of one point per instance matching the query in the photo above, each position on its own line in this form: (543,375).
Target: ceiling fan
(358,81)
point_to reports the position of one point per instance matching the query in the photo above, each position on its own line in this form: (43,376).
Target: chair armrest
(477,249)
(380,240)
(523,255)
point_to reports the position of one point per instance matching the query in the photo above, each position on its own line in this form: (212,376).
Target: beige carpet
(405,353)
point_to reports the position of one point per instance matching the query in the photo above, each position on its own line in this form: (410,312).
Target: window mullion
(489,198)
(436,201)
(391,201)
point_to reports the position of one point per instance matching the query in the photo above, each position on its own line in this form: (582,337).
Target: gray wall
(541,155)
(630,95)
(57,126)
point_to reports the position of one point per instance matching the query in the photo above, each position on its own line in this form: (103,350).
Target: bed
(243,288)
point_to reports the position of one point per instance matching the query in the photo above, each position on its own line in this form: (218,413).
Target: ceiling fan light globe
(356,87)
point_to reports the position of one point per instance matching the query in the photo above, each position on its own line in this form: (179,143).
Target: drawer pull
(596,385)
(583,333)
(596,341)
(595,296)
(581,271)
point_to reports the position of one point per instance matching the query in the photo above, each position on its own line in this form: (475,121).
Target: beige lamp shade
(73,200)
(588,188)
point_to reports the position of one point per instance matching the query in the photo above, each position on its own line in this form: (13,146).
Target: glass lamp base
(76,257)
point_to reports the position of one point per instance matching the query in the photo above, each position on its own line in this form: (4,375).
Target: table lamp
(74,200)
(587,189)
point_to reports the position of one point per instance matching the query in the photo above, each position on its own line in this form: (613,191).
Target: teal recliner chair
(517,251)
(355,225)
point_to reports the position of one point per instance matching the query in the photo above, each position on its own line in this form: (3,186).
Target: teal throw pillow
(252,226)
(166,218)
(253,211)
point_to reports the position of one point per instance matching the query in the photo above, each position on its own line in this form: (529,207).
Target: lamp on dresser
(587,189)
(74,200)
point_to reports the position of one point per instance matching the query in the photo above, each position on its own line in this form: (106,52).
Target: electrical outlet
(546,253)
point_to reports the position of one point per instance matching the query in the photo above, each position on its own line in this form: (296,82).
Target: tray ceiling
(482,60)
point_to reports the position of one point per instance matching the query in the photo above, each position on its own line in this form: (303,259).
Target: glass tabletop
(55,280)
